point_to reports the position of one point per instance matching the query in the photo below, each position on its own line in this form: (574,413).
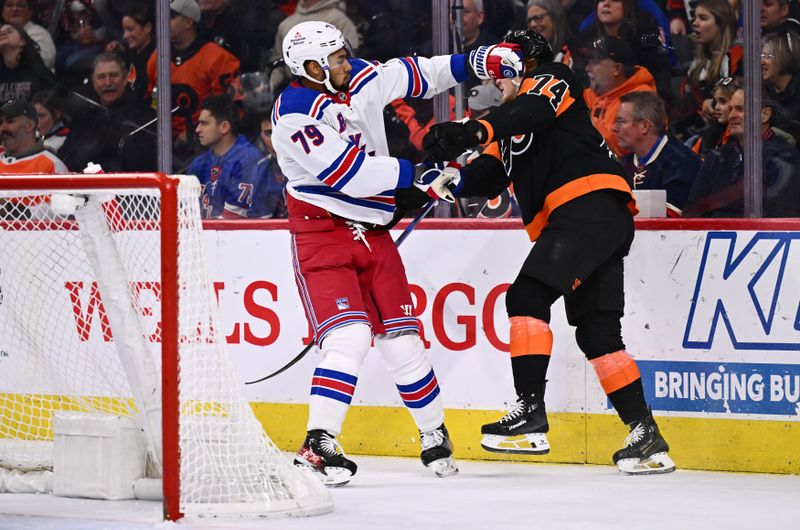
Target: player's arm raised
(541,100)
(420,77)
(342,166)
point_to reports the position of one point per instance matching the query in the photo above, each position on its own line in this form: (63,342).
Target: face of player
(46,119)
(16,133)
(736,116)
(722,106)
(769,70)
(209,130)
(773,13)
(136,35)
(108,81)
(541,22)
(266,135)
(627,128)
(508,87)
(339,70)
(705,26)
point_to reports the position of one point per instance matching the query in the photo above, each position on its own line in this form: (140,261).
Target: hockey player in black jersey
(578,207)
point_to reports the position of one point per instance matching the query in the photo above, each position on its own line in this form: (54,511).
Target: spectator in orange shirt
(24,153)
(200,68)
(612,73)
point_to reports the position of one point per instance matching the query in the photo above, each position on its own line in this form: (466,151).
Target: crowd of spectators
(662,80)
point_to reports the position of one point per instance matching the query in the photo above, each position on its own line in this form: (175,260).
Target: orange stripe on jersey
(530,336)
(615,370)
(574,189)
(493,149)
(489,131)
(554,89)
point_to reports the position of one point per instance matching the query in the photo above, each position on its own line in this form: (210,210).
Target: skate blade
(657,464)
(333,477)
(521,444)
(444,467)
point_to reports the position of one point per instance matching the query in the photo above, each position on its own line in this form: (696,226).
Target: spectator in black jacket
(776,17)
(111,133)
(718,189)
(780,70)
(229,28)
(22,71)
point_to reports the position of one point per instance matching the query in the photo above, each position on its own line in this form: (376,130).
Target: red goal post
(201,435)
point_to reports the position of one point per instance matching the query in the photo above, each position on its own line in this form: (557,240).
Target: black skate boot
(322,453)
(521,431)
(645,451)
(437,452)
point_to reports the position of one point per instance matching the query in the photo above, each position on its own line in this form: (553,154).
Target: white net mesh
(80,330)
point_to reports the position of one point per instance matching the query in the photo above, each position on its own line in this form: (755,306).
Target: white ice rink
(399,493)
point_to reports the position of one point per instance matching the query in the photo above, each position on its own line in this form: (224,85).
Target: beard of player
(338,72)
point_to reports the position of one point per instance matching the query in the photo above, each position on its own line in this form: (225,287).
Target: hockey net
(92,321)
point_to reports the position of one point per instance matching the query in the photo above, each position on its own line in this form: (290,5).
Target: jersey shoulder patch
(297,99)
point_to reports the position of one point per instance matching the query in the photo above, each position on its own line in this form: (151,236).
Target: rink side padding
(712,318)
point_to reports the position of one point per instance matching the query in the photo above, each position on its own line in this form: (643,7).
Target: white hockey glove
(502,60)
(438,179)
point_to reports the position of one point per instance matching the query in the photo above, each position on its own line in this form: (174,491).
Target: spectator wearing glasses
(656,159)
(718,189)
(547,18)
(19,12)
(780,70)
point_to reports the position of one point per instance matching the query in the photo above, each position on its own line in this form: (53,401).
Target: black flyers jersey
(544,142)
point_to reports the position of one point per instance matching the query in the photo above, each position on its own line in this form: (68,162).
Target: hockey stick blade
(303,353)
(286,366)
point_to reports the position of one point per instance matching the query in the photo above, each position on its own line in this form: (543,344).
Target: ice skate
(645,451)
(322,453)
(521,431)
(437,452)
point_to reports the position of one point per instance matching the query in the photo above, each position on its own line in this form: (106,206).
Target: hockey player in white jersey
(342,187)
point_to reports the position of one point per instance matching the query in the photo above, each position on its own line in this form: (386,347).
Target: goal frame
(170,298)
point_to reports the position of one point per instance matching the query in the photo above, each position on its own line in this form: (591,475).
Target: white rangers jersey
(333,149)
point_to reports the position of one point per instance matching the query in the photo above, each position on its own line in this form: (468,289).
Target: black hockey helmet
(533,45)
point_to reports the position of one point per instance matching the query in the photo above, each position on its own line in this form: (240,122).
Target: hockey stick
(398,242)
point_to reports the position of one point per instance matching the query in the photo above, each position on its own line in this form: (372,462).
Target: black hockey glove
(447,141)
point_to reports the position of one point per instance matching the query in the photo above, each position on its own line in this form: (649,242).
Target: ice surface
(399,493)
